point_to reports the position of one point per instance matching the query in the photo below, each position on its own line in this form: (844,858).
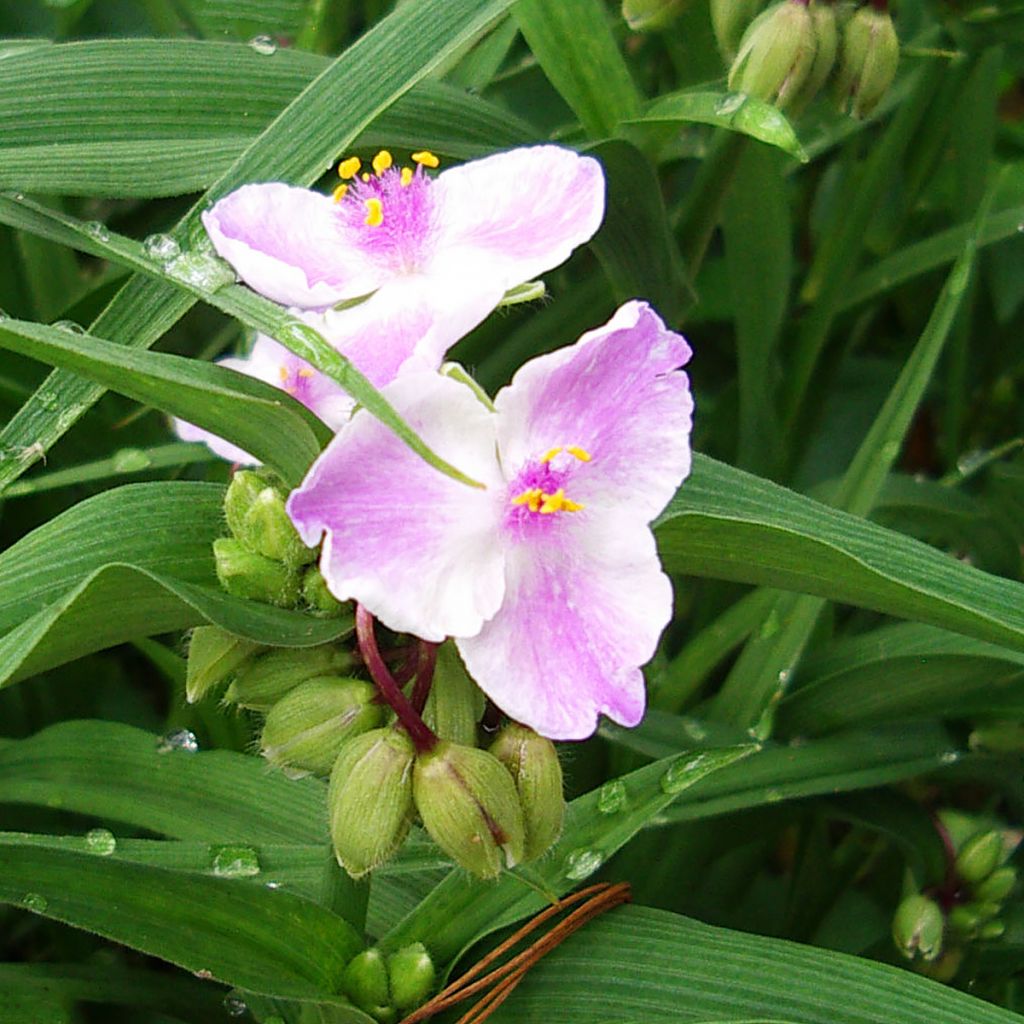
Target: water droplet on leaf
(263,45)
(48,400)
(100,841)
(613,797)
(182,740)
(582,864)
(97,230)
(682,773)
(69,325)
(201,270)
(34,901)
(162,248)
(730,103)
(234,861)
(234,1006)
(131,460)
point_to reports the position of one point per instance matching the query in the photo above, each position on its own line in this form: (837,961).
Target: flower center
(539,489)
(389,211)
(296,380)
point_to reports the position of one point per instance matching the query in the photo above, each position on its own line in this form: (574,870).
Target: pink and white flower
(434,255)
(548,577)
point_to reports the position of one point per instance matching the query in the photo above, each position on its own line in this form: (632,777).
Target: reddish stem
(424,675)
(423,739)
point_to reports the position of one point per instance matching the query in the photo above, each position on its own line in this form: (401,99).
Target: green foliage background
(847,553)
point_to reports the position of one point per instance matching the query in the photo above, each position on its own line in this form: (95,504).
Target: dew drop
(131,460)
(784,676)
(263,45)
(162,248)
(182,740)
(274,886)
(949,757)
(580,864)
(100,841)
(48,400)
(773,796)
(613,797)
(969,462)
(235,1007)
(69,325)
(730,103)
(694,729)
(234,861)
(97,230)
(34,901)
(681,773)
(201,270)
(203,973)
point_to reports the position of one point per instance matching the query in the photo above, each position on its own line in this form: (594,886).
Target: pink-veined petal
(289,244)
(514,215)
(618,395)
(417,548)
(583,610)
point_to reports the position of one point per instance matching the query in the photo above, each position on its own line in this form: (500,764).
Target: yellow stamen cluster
(537,501)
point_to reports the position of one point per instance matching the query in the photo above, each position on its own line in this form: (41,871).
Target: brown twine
(593,901)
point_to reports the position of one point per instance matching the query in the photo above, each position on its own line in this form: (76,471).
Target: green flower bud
(245,574)
(469,805)
(992,930)
(960,826)
(979,857)
(369,799)
(826,38)
(776,53)
(214,655)
(365,982)
(455,703)
(317,597)
(997,886)
(729,19)
(985,909)
(254,508)
(307,728)
(964,921)
(411,976)
(651,15)
(868,59)
(261,683)
(532,761)
(917,927)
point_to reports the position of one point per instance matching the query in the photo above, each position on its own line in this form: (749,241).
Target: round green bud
(532,761)
(261,683)
(214,655)
(776,53)
(964,921)
(411,976)
(243,573)
(369,799)
(869,55)
(992,930)
(979,857)
(997,886)
(917,927)
(317,597)
(651,15)
(470,807)
(307,728)
(985,909)
(730,19)
(365,982)
(456,703)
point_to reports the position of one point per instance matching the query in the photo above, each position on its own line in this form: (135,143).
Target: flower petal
(413,317)
(289,244)
(414,546)
(582,612)
(511,216)
(617,394)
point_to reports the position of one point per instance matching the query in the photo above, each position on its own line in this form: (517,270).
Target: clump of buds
(383,986)
(264,559)
(869,55)
(933,927)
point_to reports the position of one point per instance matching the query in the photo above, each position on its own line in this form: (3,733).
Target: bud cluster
(387,986)
(264,559)
(933,927)
(790,50)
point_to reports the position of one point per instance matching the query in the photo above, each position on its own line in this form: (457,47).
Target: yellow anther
(307,372)
(382,161)
(349,168)
(282,372)
(579,453)
(557,502)
(549,455)
(374,213)
(339,192)
(406,175)
(426,158)
(531,498)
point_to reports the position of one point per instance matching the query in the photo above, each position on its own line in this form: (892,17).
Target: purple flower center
(390,210)
(537,494)
(298,379)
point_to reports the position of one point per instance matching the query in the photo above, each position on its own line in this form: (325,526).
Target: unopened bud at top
(470,807)
(254,508)
(532,761)
(869,55)
(369,800)
(917,927)
(776,53)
